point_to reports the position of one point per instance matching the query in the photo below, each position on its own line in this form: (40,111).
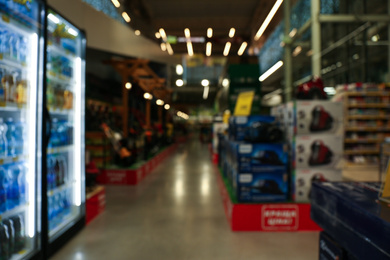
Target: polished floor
(177,213)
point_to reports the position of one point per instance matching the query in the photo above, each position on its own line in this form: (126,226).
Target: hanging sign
(244,103)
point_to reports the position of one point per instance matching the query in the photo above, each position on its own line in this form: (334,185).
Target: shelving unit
(99,148)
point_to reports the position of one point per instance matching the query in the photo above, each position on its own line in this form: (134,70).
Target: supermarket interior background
(145,129)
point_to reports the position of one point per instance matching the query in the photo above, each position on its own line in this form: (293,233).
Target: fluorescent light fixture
(116,3)
(297,51)
(159,102)
(208,49)
(163,34)
(169,48)
(293,32)
(330,90)
(137,32)
(148,96)
(179,69)
(242,48)
(157,35)
(210,32)
(78,165)
(126,17)
(225,83)
(205,82)
(268,19)
(31,123)
(53,18)
(232,32)
(271,70)
(187,33)
(167,106)
(128,85)
(227,49)
(179,82)
(190,49)
(206,92)
(163,46)
(73,32)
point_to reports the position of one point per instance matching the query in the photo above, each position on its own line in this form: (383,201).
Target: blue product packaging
(240,126)
(261,187)
(329,249)
(257,158)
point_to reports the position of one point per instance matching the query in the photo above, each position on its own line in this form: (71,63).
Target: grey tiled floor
(177,213)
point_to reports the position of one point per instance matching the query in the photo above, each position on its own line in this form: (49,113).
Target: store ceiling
(246,16)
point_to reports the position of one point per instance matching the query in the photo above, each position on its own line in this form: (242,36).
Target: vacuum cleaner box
(239,125)
(318,151)
(319,117)
(329,249)
(261,187)
(305,177)
(257,158)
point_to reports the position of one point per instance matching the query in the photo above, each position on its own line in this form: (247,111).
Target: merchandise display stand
(272,217)
(96,203)
(135,174)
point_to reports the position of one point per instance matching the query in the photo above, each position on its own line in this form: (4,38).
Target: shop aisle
(177,213)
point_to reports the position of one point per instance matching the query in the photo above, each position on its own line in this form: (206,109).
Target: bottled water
(11,142)
(13,193)
(19,136)
(3,189)
(51,173)
(23,183)
(3,139)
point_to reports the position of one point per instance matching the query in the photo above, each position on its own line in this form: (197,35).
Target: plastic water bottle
(51,174)
(3,139)
(13,193)
(54,138)
(4,242)
(3,189)
(11,232)
(10,137)
(20,233)
(19,136)
(23,183)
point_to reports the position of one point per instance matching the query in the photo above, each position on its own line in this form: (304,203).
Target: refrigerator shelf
(66,220)
(59,50)
(6,62)
(13,159)
(14,211)
(61,149)
(11,107)
(58,112)
(59,189)
(62,81)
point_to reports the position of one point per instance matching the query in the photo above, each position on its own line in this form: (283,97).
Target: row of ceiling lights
(149,96)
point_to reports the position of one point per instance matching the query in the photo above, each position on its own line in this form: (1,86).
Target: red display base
(95,204)
(266,217)
(133,176)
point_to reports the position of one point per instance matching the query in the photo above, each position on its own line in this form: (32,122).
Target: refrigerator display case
(64,100)
(21,81)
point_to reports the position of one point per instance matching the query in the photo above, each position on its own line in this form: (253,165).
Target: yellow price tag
(1,56)
(386,187)
(1,161)
(22,252)
(5,18)
(15,159)
(244,103)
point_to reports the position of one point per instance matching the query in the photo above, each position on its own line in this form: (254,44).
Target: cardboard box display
(305,177)
(329,249)
(238,125)
(318,151)
(261,187)
(218,128)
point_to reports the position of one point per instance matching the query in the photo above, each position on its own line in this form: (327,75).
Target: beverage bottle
(3,139)
(19,136)
(13,193)
(3,189)
(23,49)
(20,233)
(51,174)
(23,183)
(11,232)
(51,209)
(60,204)
(4,242)
(66,202)
(62,171)
(54,138)
(11,142)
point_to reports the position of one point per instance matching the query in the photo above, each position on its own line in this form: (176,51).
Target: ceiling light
(210,32)
(163,46)
(167,106)
(206,92)
(227,49)
(271,70)
(179,69)
(73,32)
(293,32)
(162,34)
(157,35)
(205,83)
(137,32)
(126,17)
(232,32)
(190,49)
(208,49)
(148,96)
(53,18)
(309,53)
(128,85)
(116,3)
(187,33)
(225,83)
(159,102)
(268,19)
(169,48)
(242,48)
(179,82)
(296,51)
(375,38)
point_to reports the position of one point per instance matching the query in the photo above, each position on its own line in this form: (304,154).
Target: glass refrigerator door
(65,101)
(21,46)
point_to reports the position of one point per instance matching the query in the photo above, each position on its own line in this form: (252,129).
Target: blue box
(261,187)
(238,125)
(329,249)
